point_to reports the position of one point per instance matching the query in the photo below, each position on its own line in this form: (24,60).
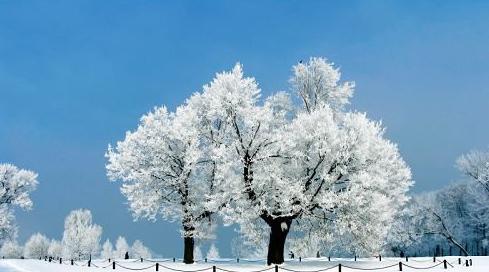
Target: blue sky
(75,75)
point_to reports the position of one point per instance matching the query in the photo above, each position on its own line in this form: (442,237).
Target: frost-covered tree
(166,172)
(81,237)
(329,169)
(429,216)
(55,249)
(476,166)
(198,253)
(213,252)
(16,185)
(37,246)
(121,247)
(107,250)
(139,250)
(11,249)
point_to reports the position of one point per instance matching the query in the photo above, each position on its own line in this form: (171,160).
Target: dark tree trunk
(279,228)
(188,250)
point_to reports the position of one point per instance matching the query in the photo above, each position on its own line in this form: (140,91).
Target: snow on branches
(266,163)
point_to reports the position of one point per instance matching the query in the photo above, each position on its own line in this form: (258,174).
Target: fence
(157,264)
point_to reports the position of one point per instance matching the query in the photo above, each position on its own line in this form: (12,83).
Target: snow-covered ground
(480,264)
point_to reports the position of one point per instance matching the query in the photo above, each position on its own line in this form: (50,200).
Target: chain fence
(157,264)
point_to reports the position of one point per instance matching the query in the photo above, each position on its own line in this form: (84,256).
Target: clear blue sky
(75,75)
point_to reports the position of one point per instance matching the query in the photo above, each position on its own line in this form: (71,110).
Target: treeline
(81,240)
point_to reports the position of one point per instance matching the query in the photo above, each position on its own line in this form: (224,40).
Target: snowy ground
(480,264)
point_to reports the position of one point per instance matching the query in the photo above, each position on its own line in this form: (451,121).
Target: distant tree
(475,165)
(11,250)
(16,185)
(198,254)
(121,247)
(37,246)
(55,249)
(107,250)
(81,237)
(139,250)
(213,252)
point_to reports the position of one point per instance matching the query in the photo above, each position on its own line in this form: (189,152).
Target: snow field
(480,264)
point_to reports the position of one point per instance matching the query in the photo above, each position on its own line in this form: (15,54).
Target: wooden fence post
(213,268)
(466,262)
(445,264)
(339,268)
(300,259)
(434,259)
(380,258)
(400,266)
(60,260)
(459,260)
(113,265)
(89,263)
(72,262)
(407,260)
(173,259)
(276,268)
(157,266)
(470,261)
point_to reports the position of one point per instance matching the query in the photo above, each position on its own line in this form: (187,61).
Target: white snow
(480,264)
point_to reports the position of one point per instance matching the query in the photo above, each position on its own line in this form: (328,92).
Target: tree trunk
(279,229)
(188,250)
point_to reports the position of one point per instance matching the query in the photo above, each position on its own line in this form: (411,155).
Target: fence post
(434,259)
(355,257)
(445,264)
(466,262)
(89,262)
(400,266)
(71,261)
(213,268)
(276,268)
(470,261)
(157,266)
(407,259)
(380,258)
(459,260)
(113,265)
(339,268)
(60,260)
(205,259)
(300,259)
(173,259)
(329,258)
(237,260)
(109,260)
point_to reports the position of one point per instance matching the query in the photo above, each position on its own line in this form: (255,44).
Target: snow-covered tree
(139,250)
(267,163)
(16,185)
(476,166)
(429,216)
(198,253)
(55,248)
(11,249)
(165,172)
(81,237)
(107,250)
(121,247)
(329,169)
(213,253)
(37,246)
